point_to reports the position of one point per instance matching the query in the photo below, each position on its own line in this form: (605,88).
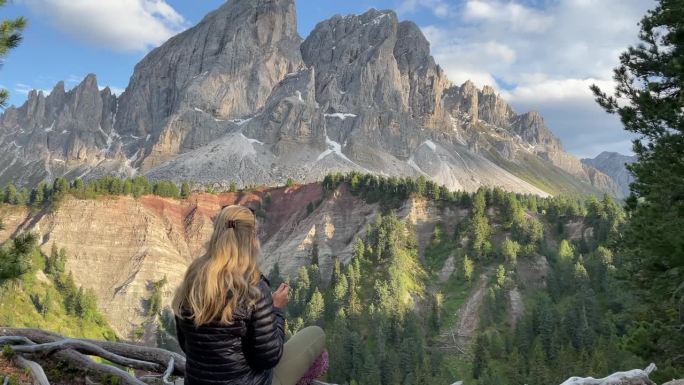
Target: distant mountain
(613,165)
(242,97)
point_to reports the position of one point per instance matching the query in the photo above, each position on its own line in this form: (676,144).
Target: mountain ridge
(614,164)
(242,97)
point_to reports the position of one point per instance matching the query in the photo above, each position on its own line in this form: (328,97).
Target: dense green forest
(52,193)
(388,316)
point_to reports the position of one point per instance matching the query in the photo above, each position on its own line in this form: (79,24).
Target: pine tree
(539,371)
(500,276)
(315,307)
(23,196)
(480,356)
(650,79)
(10,37)
(510,250)
(565,251)
(185,190)
(60,187)
(468,268)
(38,195)
(10,192)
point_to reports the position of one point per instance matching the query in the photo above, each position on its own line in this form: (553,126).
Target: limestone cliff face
(61,133)
(119,246)
(241,98)
(224,68)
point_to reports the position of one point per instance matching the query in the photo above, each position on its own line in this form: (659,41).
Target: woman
(229,325)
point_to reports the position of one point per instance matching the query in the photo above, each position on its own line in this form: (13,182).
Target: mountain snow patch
(430,144)
(240,122)
(252,141)
(336,148)
(52,126)
(340,115)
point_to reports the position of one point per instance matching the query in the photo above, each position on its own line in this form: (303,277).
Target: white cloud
(513,15)
(439,8)
(545,90)
(122,25)
(544,58)
(24,89)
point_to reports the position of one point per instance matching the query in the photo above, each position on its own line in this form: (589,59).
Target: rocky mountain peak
(58,90)
(614,165)
(240,97)
(488,90)
(223,68)
(532,128)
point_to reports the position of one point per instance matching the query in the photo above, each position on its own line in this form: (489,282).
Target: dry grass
(18,375)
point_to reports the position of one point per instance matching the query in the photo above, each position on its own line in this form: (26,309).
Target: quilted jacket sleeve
(265,334)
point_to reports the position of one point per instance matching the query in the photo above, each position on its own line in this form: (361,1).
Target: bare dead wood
(15,340)
(89,349)
(168,372)
(85,363)
(36,370)
(5,381)
(80,361)
(142,353)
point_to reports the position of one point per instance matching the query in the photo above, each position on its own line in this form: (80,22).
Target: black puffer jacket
(243,352)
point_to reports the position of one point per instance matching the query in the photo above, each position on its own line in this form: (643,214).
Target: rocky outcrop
(223,68)
(61,133)
(632,377)
(613,165)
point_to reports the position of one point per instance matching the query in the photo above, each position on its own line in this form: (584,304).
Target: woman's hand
(280,296)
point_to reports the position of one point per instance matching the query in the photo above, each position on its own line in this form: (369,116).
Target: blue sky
(540,54)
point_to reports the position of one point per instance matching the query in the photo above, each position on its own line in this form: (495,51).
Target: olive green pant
(299,353)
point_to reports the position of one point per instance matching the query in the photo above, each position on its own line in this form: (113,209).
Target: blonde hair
(216,283)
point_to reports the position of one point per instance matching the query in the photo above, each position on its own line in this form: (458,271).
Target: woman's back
(226,320)
(242,352)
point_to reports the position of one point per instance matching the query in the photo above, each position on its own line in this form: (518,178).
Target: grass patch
(436,253)
(456,291)
(33,301)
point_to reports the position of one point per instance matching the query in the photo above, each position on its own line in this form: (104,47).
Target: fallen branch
(142,353)
(168,372)
(15,340)
(78,360)
(36,370)
(89,349)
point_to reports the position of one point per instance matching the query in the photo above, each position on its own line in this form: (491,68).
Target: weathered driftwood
(168,372)
(141,353)
(89,349)
(67,354)
(36,370)
(144,353)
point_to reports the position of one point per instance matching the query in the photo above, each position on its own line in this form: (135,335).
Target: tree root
(36,370)
(76,351)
